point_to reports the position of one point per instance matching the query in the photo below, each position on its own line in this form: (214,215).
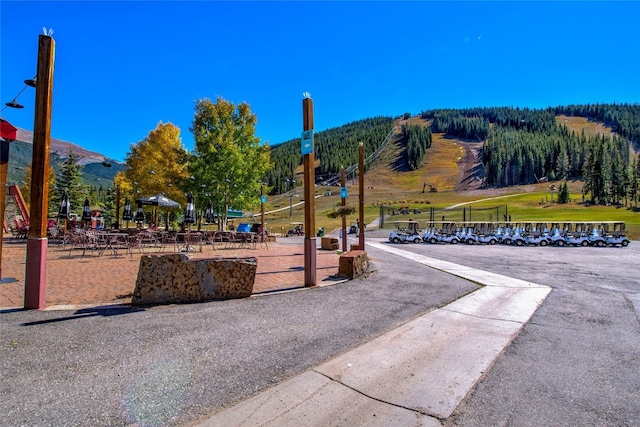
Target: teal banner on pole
(306,142)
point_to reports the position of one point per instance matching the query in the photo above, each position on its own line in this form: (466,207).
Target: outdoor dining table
(245,239)
(188,241)
(112,241)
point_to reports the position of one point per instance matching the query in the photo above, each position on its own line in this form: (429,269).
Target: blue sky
(123,66)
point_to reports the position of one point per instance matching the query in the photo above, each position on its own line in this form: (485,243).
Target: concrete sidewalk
(416,374)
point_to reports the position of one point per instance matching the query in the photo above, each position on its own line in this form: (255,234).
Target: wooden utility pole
(35,285)
(343,185)
(361,195)
(263,199)
(309,193)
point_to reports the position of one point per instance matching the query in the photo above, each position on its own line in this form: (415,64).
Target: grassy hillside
(386,183)
(582,124)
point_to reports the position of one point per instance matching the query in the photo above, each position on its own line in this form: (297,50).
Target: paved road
(105,366)
(575,363)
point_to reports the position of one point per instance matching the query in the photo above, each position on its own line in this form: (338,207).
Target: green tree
(108,207)
(228,162)
(70,179)
(563,194)
(634,180)
(563,165)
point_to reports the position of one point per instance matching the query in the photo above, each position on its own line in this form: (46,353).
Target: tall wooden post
(4,163)
(361,195)
(309,198)
(263,232)
(35,285)
(343,184)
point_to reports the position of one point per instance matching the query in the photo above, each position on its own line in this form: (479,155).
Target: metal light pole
(290,207)
(36,260)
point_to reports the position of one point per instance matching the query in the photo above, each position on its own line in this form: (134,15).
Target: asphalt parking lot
(574,363)
(577,361)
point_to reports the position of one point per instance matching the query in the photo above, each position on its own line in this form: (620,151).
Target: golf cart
(536,234)
(515,238)
(445,234)
(296,229)
(405,232)
(617,235)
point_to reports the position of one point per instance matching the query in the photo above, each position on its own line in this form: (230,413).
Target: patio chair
(55,235)
(82,239)
(228,238)
(134,242)
(169,238)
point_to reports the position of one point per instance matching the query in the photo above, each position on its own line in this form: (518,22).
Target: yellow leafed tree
(157,164)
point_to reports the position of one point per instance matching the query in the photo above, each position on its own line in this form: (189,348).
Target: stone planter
(174,278)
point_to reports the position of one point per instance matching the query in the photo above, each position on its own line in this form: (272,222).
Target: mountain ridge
(62,147)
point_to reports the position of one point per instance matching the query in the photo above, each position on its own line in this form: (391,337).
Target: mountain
(61,148)
(94,171)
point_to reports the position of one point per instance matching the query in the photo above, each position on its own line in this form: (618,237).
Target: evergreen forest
(334,147)
(521,146)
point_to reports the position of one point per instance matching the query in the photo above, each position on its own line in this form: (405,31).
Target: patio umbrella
(65,208)
(86,211)
(139,214)
(127,215)
(190,212)
(158,200)
(208,214)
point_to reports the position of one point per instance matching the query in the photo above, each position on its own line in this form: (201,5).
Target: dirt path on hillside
(471,175)
(470,167)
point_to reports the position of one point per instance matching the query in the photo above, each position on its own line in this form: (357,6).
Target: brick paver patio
(74,280)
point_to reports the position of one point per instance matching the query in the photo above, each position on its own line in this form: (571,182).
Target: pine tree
(634,180)
(108,207)
(563,167)
(563,194)
(71,180)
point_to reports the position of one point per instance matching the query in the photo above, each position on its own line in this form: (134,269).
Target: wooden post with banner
(307,151)
(361,196)
(343,197)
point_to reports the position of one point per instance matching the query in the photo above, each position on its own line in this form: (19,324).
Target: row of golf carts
(513,233)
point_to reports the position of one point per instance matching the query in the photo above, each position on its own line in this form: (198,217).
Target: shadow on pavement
(105,311)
